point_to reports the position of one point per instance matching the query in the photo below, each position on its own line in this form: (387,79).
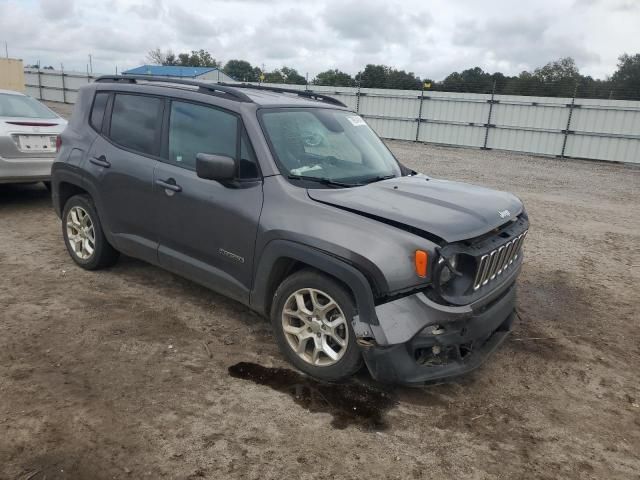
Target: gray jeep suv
(288,202)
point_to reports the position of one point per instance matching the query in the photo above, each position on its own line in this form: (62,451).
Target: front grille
(494,263)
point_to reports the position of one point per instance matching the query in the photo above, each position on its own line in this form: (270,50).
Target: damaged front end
(452,326)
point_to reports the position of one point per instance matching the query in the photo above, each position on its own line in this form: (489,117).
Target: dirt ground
(106,374)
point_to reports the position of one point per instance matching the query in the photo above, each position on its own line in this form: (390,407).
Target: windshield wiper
(379,178)
(323,181)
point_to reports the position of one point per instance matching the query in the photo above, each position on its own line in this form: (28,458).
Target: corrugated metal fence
(55,85)
(562,127)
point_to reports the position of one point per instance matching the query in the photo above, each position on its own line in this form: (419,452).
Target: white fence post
(420,114)
(64,88)
(489,124)
(567,130)
(39,84)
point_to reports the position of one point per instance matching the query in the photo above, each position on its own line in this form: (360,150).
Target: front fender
(323,261)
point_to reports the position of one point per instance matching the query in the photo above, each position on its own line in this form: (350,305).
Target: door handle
(101,161)
(169,184)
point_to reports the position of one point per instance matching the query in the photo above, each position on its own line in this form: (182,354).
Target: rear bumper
(420,341)
(31,169)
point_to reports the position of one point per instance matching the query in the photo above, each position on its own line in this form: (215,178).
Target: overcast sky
(429,37)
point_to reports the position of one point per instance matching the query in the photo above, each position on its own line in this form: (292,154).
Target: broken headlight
(453,274)
(449,270)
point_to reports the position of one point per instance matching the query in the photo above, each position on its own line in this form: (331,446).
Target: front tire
(311,316)
(83,235)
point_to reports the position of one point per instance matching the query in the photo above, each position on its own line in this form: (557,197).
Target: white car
(29,134)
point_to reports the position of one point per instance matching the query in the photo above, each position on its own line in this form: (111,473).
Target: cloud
(429,39)
(612,5)
(626,6)
(294,45)
(190,24)
(57,9)
(150,10)
(519,43)
(378,21)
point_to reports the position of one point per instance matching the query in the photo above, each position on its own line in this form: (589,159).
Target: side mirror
(215,167)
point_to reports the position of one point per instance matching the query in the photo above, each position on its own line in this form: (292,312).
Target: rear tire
(311,316)
(83,235)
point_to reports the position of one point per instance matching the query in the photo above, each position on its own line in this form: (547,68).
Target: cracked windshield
(328,145)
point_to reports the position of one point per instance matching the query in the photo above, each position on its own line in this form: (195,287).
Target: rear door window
(135,122)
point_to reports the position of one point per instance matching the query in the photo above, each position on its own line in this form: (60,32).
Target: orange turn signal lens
(421,261)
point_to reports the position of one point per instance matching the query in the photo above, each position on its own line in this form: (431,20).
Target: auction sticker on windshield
(356,120)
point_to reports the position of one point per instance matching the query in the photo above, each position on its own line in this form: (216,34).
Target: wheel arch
(67,182)
(66,190)
(281,258)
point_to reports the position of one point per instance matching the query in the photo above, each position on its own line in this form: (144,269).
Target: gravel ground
(124,373)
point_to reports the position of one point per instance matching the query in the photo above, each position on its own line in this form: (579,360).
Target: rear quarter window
(98,109)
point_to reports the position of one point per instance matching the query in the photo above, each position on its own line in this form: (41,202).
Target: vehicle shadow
(29,194)
(174,286)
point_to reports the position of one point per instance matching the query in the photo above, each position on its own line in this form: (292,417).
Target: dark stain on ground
(349,403)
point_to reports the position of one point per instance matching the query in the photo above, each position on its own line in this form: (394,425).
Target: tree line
(558,78)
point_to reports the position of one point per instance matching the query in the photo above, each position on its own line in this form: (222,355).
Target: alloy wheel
(315,327)
(81,233)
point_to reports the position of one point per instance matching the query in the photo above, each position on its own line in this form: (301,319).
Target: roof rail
(231,89)
(302,93)
(214,88)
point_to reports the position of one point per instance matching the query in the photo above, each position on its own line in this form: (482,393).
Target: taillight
(58,143)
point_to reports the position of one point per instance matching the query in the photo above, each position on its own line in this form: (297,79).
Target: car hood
(449,210)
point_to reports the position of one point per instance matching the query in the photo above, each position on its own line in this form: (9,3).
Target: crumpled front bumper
(418,340)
